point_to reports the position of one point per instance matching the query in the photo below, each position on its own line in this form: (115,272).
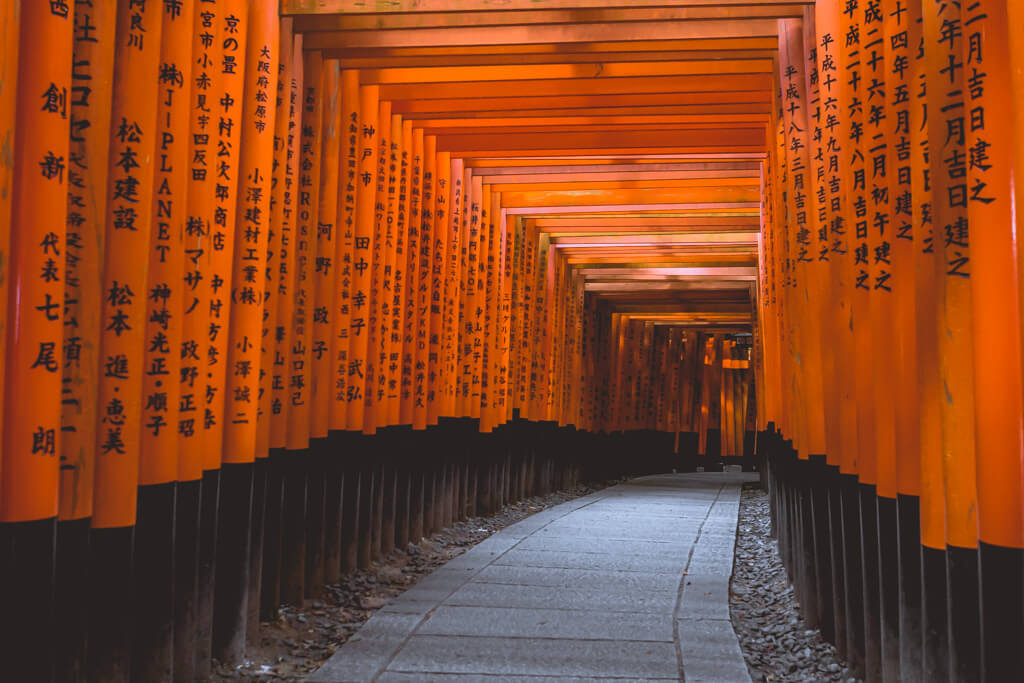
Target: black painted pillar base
(908,512)
(963,603)
(835,520)
(350,503)
(367,502)
(817,489)
(403,494)
(270,581)
(314,461)
(27,580)
(209,503)
(853,572)
(1002,612)
(71,600)
(259,507)
(293,529)
(389,489)
(712,460)
(153,629)
(110,604)
(234,538)
(334,487)
(934,615)
(887,530)
(186,578)
(871,591)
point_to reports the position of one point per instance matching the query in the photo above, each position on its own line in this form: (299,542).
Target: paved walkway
(631,582)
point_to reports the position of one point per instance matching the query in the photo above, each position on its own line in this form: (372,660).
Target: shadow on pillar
(153,623)
(270,584)
(908,512)
(293,529)
(110,604)
(186,578)
(234,539)
(71,600)
(27,581)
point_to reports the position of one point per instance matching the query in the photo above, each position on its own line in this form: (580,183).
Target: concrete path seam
(682,587)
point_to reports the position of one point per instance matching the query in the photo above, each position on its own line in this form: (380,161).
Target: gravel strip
(776,642)
(304,637)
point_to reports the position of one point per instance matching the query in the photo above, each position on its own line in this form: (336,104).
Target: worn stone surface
(777,643)
(598,588)
(302,638)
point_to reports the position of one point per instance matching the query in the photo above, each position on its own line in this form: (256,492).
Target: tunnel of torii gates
(252,250)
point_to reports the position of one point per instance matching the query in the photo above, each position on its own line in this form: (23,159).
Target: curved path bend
(627,583)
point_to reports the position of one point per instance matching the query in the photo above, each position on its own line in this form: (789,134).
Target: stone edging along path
(629,582)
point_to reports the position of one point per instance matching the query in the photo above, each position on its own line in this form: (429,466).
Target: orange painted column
(438,265)
(133,142)
(453,284)
(389,373)
(828,204)
(35,170)
(1015,14)
(424,265)
(35,306)
(400,271)
(478,313)
(935,659)
(230,32)
(804,220)
(503,402)
(997,363)
(412,278)
(947,154)
(89,102)
(161,388)
(950,192)
(196,277)
(248,290)
(995,327)
(348,179)
(467,269)
(879,150)
(857,224)
(526,296)
(327,141)
(10,14)
(307,204)
(376,304)
(492,303)
(285,196)
(362,253)
(903,33)
(272,300)
(272,297)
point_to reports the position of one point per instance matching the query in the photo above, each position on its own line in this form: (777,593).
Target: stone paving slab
(535,656)
(570,560)
(574,544)
(389,677)
(580,578)
(564,597)
(517,622)
(628,583)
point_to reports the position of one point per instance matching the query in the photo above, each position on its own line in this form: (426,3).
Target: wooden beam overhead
(396,6)
(543,33)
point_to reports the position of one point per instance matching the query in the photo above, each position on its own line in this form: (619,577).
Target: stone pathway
(628,583)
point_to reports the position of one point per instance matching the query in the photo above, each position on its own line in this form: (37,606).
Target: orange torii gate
(332,275)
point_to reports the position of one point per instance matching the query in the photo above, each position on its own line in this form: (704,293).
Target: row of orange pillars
(287,287)
(282,280)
